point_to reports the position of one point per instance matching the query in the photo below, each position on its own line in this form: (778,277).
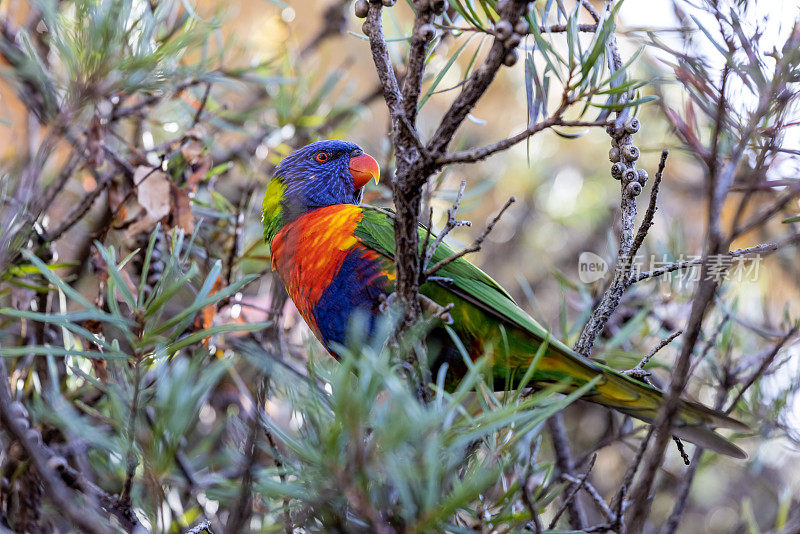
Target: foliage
(152,372)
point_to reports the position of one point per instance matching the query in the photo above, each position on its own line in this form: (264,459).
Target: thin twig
(638,371)
(203,526)
(452,222)
(566,465)
(83,517)
(762,368)
(764,248)
(475,246)
(594,494)
(477,154)
(202,106)
(577,484)
(527,498)
(647,222)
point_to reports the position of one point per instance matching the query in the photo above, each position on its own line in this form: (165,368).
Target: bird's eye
(322,157)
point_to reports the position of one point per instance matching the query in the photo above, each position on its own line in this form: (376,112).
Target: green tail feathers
(694,422)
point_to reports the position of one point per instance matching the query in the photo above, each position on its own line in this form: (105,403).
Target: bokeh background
(567,204)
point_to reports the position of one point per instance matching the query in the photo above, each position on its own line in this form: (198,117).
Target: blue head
(326,173)
(318,175)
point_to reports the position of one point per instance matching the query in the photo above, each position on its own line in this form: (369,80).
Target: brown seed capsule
(361,8)
(511,58)
(631,125)
(630,152)
(634,188)
(439,6)
(23,422)
(513,41)
(502,5)
(630,175)
(617,169)
(57,463)
(522,27)
(427,31)
(642,176)
(18,410)
(503,30)
(610,129)
(613,155)
(34,435)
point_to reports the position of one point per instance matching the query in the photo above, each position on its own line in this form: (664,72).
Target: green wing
(615,390)
(376,230)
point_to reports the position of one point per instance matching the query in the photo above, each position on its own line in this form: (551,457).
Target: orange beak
(364,168)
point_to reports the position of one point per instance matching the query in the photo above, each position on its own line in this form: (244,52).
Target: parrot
(336,258)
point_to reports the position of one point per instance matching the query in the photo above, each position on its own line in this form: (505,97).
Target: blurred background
(273,76)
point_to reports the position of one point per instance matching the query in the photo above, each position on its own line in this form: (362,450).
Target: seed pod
(57,463)
(511,58)
(610,129)
(388,3)
(634,188)
(631,125)
(18,410)
(642,176)
(617,169)
(630,175)
(439,6)
(613,155)
(522,27)
(503,30)
(34,435)
(427,31)
(361,8)
(630,152)
(513,41)
(502,5)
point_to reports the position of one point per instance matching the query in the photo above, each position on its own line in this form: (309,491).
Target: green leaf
(632,103)
(196,337)
(441,74)
(600,40)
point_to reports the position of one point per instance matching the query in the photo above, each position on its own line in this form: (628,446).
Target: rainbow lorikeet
(336,258)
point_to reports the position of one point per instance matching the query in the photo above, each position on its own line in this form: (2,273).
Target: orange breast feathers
(308,253)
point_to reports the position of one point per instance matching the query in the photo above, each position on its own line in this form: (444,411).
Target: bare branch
(762,249)
(452,222)
(762,368)
(477,154)
(577,484)
(594,494)
(477,86)
(638,371)
(566,465)
(475,246)
(373,28)
(647,222)
(81,515)
(412,82)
